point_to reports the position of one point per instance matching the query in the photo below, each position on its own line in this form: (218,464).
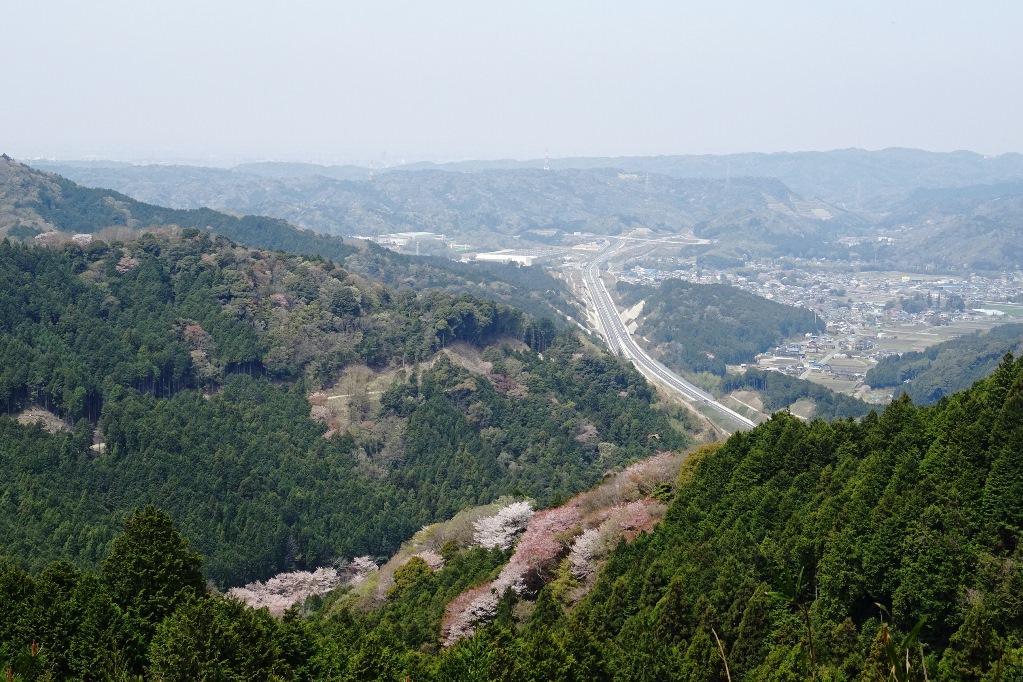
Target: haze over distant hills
(752,214)
(845,176)
(979,226)
(851,177)
(937,211)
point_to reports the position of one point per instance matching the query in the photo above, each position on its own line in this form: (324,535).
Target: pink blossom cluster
(587,528)
(626,520)
(467,610)
(661,467)
(636,517)
(542,544)
(126,264)
(357,570)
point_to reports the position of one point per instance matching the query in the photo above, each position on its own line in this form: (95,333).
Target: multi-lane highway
(622,343)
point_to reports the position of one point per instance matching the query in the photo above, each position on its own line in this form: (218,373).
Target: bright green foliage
(841,551)
(221,639)
(258,490)
(75,625)
(792,540)
(395,636)
(151,569)
(531,289)
(148,614)
(85,626)
(162,315)
(73,208)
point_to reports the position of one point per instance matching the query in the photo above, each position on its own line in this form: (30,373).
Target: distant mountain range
(41,206)
(748,215)
(937,211)
(978,227)
(852,178)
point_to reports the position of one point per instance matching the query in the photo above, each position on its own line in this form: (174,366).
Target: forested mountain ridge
(754,204)
(886,548)
(186,362)
(33,203)
(40,206)
(703,327)
(827,551)
(531,289)
(742,212)
(929,375)
(780,391)
(979,227)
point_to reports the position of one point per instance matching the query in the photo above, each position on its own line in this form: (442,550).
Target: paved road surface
(622,343)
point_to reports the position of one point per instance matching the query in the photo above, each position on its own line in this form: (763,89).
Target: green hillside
(779,391)
(34,203)
(703,327)
(929,375)
(806,549)
(885,549)
(191,363)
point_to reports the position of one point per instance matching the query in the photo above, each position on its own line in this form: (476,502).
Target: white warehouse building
(507,256)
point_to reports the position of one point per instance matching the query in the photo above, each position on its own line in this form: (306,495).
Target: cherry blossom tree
(498,531)
(285,589)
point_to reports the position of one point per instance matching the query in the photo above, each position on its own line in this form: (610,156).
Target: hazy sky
(376,80)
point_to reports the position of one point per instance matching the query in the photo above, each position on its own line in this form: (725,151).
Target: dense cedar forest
(703,327)
(779,391)
(831,551)
(181,368)
(929,375)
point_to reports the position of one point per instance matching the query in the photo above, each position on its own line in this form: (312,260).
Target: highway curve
(622,343)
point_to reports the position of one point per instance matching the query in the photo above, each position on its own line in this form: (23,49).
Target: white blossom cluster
(358,569)
(539,549)
(433,559)
(285,589)
(498,531)
(586,549)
